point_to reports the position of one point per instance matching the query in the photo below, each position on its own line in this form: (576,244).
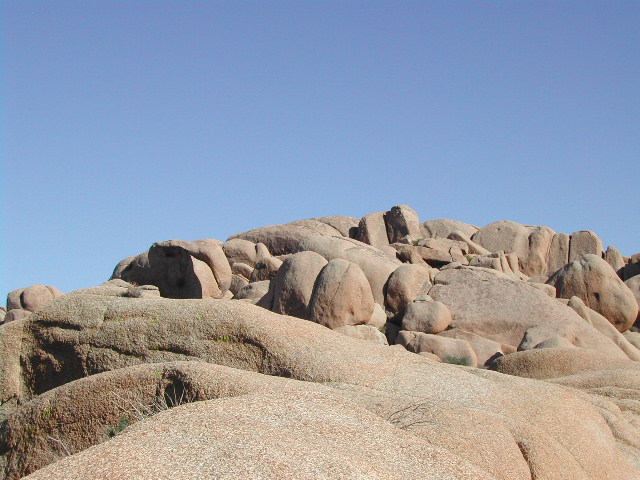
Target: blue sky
(130,122)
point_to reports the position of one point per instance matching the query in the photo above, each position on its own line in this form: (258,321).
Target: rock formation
(333,347)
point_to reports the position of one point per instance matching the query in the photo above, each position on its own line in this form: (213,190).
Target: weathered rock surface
(238,282)
(427,256)
(593,280)
(562,435)
(286,238)
(631,269)
(254,291)
(472,246)
(378,317)
(494,306)
(603,325)
(614,258)
(274,396)
(266,269)
(296,434)
(16,314)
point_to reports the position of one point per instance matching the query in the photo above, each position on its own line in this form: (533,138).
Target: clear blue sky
(130,122)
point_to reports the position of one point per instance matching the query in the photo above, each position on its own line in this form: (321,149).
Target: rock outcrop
(180,269)
(284,239)
(333,347)
(593,280)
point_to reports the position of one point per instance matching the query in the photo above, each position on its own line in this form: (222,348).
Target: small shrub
(174,395)
(124,423)
(455,360)
(133,291)
(63,450)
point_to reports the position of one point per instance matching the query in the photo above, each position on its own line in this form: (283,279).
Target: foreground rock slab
(271,436)
(505,426)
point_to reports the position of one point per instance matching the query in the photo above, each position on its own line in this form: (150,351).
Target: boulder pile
(333,347)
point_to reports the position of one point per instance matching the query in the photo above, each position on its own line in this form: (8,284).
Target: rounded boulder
(342,296)
(593,280)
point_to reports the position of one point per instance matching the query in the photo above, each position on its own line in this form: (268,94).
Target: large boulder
(404,285)
(372,230)
(376,265)
(242,251)
(449,350)
(614,257)
(294,282)
(603,325)
(631,269)
(443,227)
(402,221)
(584,242)
(341,296)
(253,291)
(486,350)
(495,306)
(530,243)
(593,280)
(285,238)
(553,363)
(32,298)
(633,284)
(558,253)
(534,426)
(426,317)
(180,269)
